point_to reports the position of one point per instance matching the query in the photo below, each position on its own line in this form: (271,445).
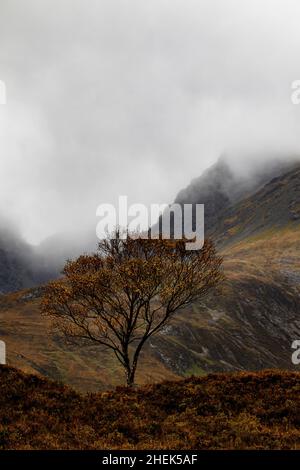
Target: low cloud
(137,98)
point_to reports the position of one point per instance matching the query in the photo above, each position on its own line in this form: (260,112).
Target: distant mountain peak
(222,185)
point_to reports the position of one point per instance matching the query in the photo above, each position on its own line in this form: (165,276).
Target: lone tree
(128,291)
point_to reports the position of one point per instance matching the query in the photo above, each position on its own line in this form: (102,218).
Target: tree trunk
(130,377)
(130,369)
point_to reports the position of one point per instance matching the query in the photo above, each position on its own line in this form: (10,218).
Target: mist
(109,98)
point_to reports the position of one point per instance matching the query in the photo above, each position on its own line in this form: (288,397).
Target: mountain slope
(220,187)
(250,323)
(15,263)
(33,348)
(276,205)
(254,320)
(21,266)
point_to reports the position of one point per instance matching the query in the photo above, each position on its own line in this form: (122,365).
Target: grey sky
(136,97)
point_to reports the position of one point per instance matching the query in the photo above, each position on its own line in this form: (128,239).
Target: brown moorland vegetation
(220,411)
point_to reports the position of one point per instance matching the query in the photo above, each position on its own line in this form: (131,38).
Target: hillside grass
(266,256)
(34,348)
(219,411)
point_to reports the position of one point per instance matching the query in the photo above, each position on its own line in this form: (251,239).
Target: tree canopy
(128,291)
